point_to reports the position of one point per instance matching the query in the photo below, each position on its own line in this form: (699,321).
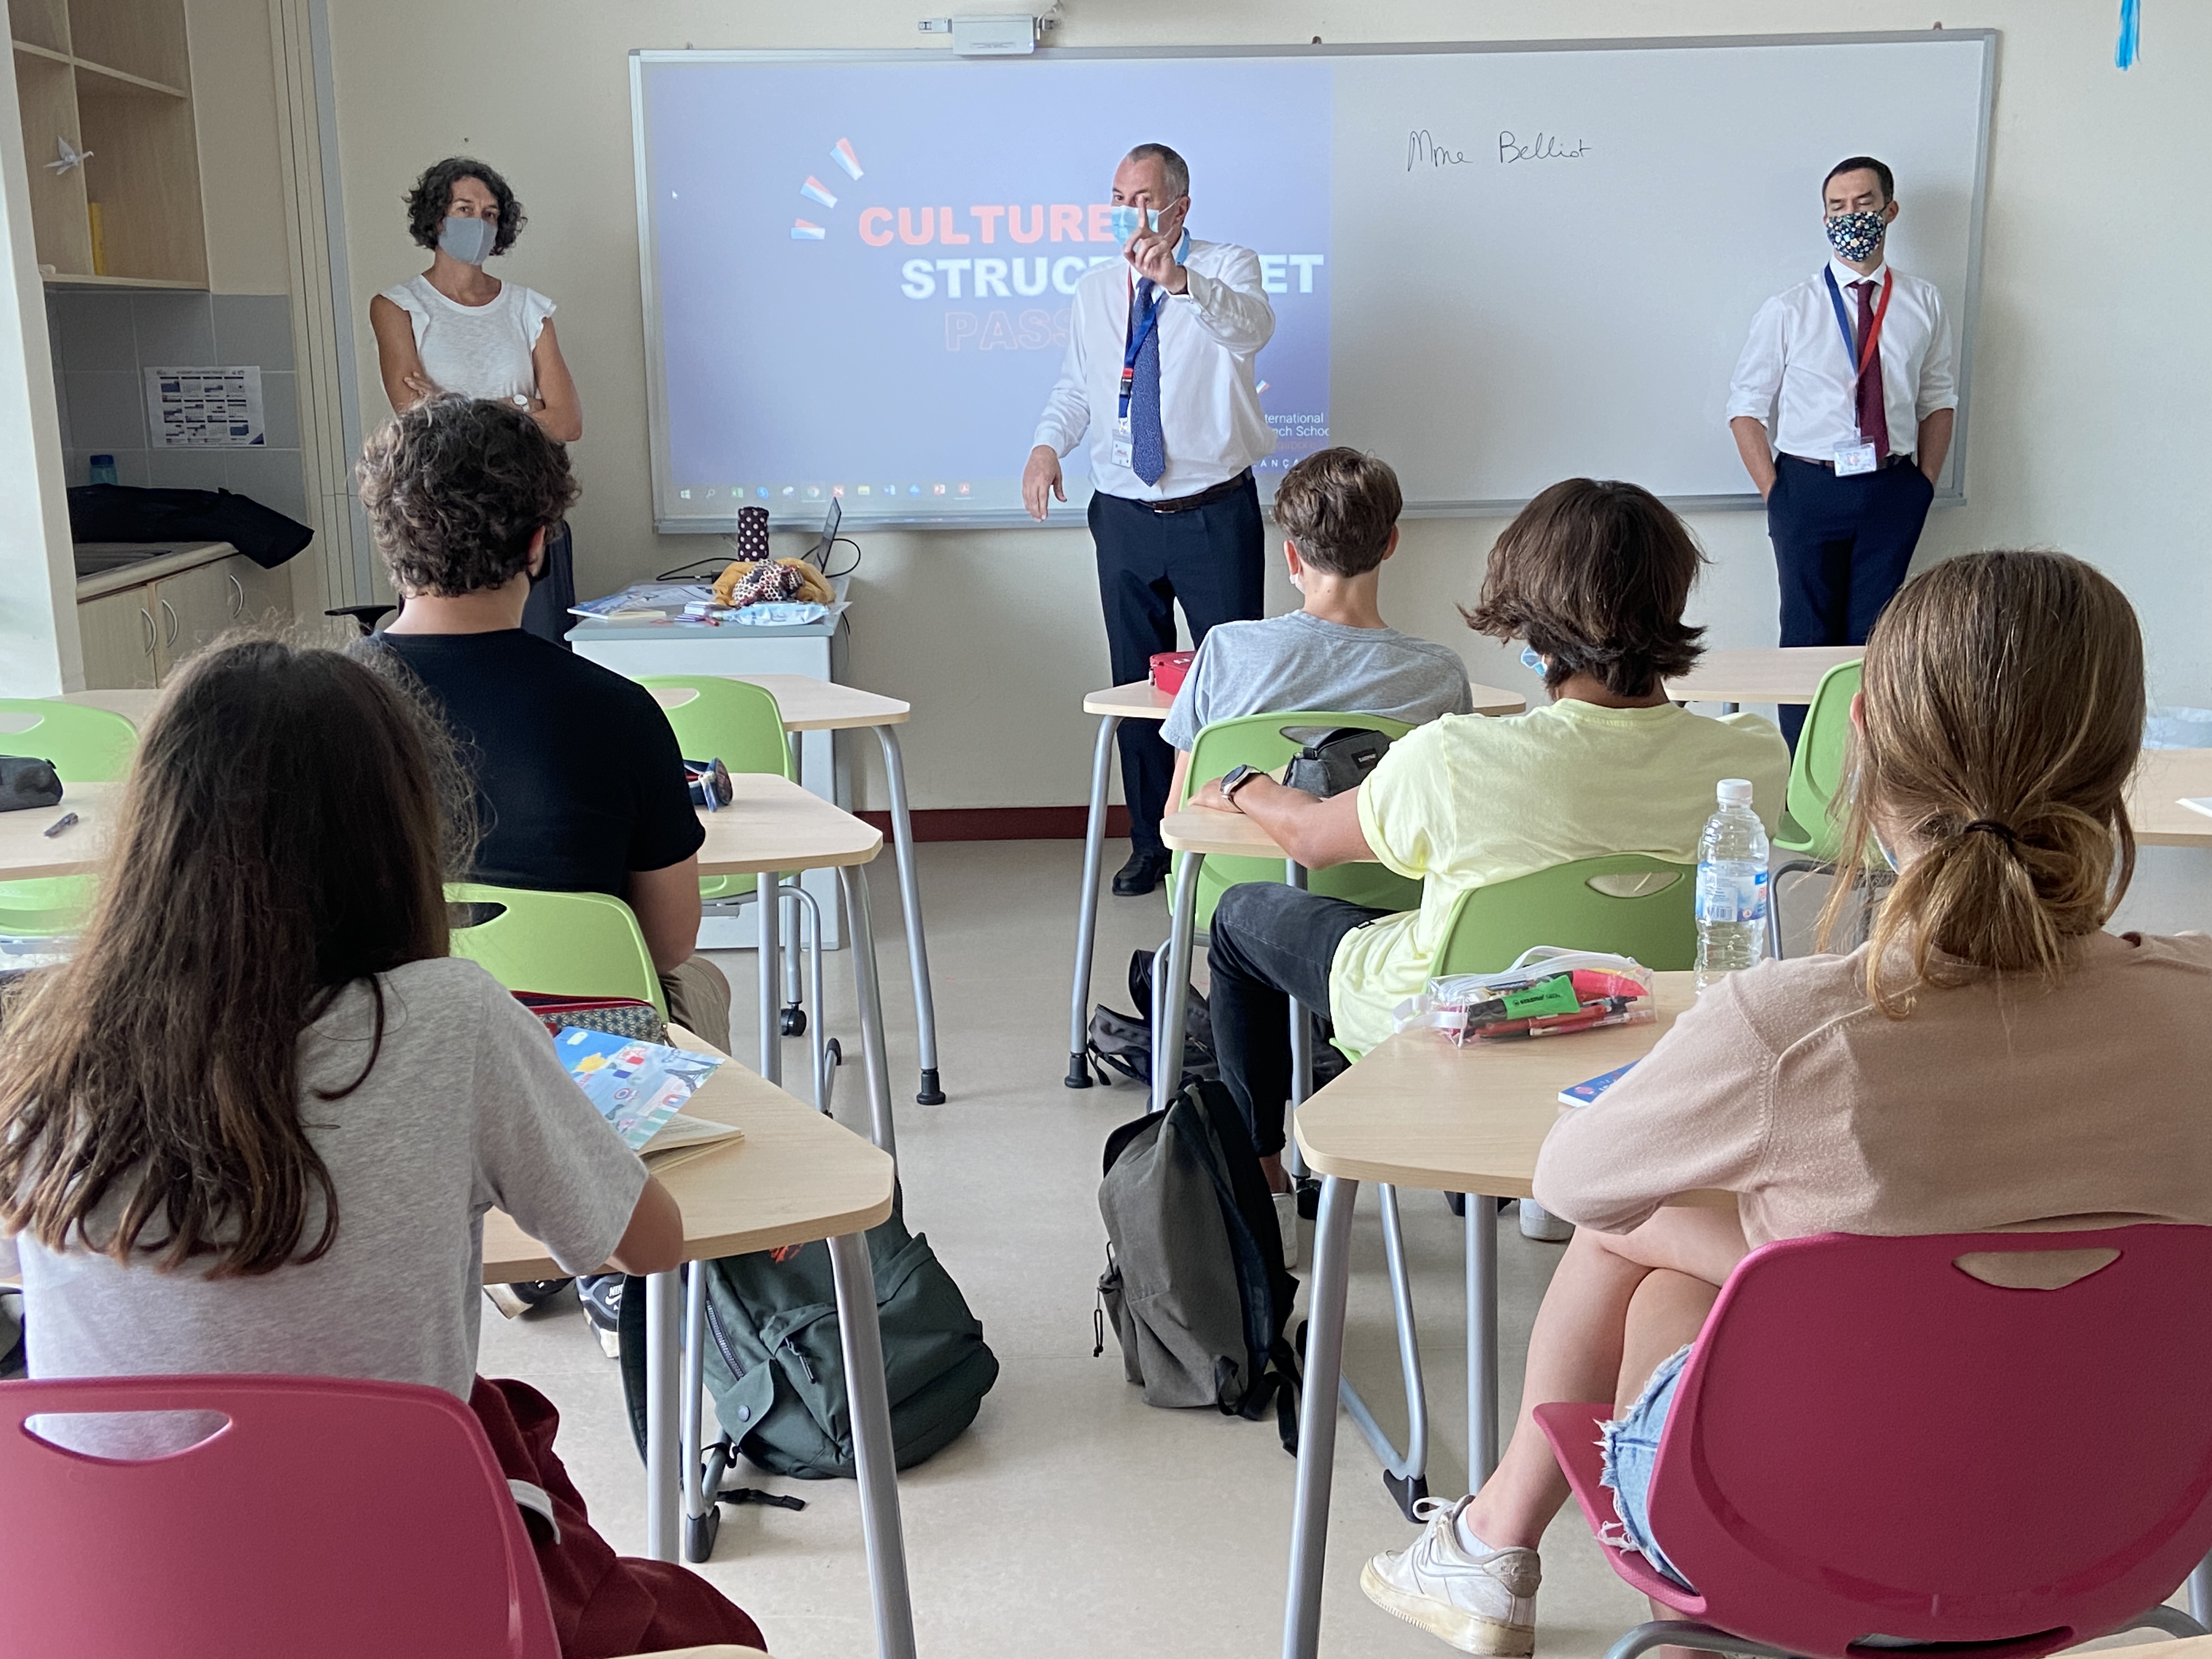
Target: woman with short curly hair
(454,329)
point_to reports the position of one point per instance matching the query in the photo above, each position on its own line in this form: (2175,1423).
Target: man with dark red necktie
(1842,407)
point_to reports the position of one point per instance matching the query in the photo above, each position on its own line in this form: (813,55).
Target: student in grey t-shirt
(1338,512)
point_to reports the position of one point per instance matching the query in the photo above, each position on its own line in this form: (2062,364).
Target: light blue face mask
(1123,218)
(468,241)
(1532,662)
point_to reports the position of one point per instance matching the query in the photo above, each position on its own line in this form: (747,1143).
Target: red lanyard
(1867,347)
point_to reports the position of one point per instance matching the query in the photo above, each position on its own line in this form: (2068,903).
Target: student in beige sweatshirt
(1990,1058)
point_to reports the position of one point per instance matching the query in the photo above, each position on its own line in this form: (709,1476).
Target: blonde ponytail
(2003,713)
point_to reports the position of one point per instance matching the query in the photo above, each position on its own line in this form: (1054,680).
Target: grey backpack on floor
(1195,1285)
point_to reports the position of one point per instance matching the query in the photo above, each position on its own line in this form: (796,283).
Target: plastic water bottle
(101,470)
(1731,885)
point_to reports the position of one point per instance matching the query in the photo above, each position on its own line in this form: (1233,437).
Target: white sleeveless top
(479,351)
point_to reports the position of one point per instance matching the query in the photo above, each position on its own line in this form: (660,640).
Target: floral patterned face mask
(1855,235)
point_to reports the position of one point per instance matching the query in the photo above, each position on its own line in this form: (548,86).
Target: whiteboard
(1495,265)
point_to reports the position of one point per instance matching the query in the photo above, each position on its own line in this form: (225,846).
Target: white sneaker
(1480,1604)
(1539,1224)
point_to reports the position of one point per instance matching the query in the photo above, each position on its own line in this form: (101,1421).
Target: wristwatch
(1236,778)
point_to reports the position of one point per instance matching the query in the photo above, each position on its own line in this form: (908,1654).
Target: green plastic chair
(1810,825)
(1646,908)
(738,723)
(1816,771)
(1258,740)
(575,944)
(86,746)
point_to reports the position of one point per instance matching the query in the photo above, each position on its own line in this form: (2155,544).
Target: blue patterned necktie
(1147,449)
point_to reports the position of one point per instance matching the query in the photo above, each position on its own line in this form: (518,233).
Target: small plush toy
(745,582)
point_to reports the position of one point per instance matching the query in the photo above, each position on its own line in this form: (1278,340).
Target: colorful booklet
(1581,1094)
(638,1087)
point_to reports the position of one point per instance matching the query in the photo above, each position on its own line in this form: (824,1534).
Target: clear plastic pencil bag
(1548,992)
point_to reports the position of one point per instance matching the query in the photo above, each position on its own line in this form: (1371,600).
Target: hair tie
(2002,831)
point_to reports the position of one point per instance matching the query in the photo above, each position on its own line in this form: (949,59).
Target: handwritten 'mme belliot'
(1424,154)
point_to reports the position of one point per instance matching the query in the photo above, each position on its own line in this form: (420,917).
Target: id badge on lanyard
(1853,459)
(1124,448)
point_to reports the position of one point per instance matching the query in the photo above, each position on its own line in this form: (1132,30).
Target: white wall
(2090,415)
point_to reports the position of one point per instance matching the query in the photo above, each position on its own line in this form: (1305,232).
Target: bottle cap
(1736,792)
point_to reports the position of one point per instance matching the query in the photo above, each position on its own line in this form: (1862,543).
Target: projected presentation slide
(860,272)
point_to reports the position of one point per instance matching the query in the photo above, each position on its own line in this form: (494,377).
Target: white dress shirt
(1210,418)
(1795,362)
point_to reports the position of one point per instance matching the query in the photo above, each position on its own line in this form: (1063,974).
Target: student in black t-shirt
(579,784)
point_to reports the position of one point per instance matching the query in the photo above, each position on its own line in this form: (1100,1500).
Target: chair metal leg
(1684,1633)
(2200,1592)
(917,947)
(1318,1417)
(664,1492)
(1481,1340)
(806,930)
(703,1469)
(767,913)
(1168,1029)
(1087,914)
(1405,1478)
(882,1533)
(853,881)
(792,987)
(2173,1621)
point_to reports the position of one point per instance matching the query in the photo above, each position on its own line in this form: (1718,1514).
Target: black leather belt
(1807,460)
(1220,492)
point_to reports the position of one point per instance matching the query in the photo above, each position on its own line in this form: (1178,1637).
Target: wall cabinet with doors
(134,636)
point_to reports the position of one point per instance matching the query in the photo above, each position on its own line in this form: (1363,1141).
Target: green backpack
(776,1366)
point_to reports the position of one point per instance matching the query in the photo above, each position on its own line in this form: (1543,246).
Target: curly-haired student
(456,329)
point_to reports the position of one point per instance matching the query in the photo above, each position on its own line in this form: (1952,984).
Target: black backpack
(1195,1283)
(1123,1042)
(126,512)
(776,1365)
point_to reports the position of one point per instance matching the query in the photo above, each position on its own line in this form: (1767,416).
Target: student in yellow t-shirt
(1593,577)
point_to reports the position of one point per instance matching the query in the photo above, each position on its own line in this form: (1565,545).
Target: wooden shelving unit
(111,78)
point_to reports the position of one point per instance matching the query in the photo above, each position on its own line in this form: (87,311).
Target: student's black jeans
(1267,944)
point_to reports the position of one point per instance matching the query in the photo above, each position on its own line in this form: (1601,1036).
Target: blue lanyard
(1141,325)
(1858,354)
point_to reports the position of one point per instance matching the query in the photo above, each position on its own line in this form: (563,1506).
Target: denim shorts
(1630,1445)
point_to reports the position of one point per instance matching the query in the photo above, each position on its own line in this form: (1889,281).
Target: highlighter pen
(60,824)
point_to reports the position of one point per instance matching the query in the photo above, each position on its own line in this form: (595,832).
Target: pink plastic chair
(1869,1441)
(343,1519)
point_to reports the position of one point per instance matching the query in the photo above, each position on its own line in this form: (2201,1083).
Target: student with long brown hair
(1988,1059)
(253,1124)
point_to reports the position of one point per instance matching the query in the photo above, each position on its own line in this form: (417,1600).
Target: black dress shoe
(1143,873)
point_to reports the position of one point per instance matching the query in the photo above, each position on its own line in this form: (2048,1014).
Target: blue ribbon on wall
(2130,46)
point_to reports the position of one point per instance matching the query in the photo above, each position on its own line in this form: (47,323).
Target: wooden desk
(1761,674)
(811,705)
(772,828)
(1419,1112)
(24,851)
(797,1175)
(1140,700)
(2162,778)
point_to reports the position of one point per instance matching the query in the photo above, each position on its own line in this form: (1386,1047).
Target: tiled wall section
(103,340)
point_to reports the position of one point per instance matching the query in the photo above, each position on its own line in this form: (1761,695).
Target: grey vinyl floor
(1072,1519)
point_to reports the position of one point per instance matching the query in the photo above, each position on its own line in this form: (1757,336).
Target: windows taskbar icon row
(791,493)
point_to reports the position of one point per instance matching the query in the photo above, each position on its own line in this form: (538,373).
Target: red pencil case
(1170,668)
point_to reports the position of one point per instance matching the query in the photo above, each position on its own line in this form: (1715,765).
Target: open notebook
(638,1087)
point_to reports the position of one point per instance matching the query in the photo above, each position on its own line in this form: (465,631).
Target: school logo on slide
(842,152)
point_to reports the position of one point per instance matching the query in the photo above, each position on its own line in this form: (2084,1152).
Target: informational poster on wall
(204,408)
